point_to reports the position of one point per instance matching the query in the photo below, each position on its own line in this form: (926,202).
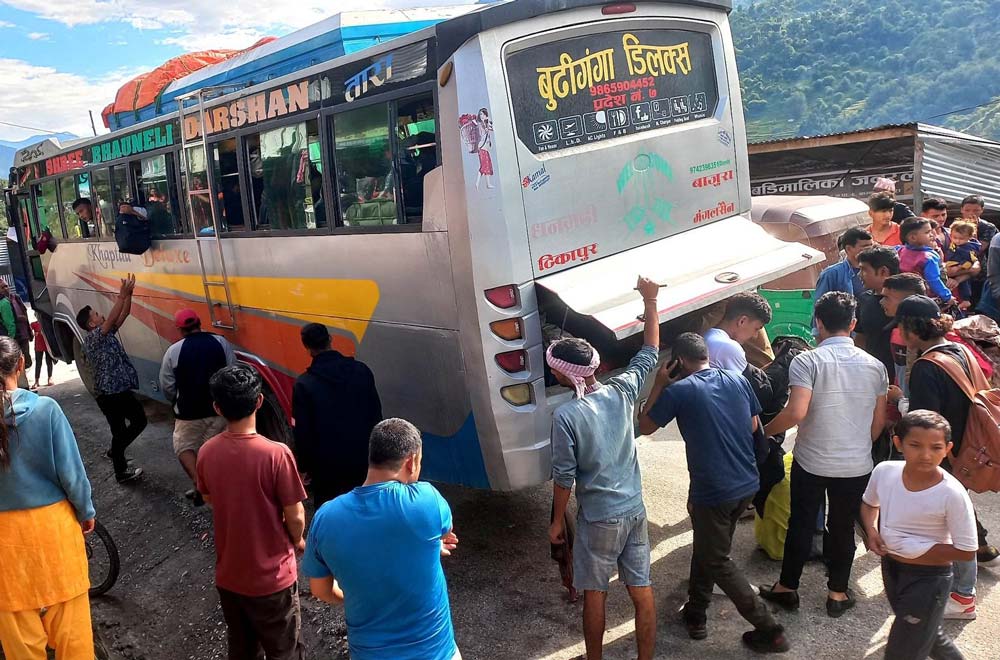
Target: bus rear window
(596,87)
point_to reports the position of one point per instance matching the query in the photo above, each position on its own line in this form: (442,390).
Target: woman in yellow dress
(45,510)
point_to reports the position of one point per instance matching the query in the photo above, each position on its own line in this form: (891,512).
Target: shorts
(191,434)
(605,545)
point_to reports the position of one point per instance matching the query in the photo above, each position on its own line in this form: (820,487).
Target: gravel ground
(506,597)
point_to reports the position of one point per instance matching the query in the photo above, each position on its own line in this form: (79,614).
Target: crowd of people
(881,406)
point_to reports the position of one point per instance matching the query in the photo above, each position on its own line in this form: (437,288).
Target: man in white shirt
(746,314)
(919,519)
(838,402)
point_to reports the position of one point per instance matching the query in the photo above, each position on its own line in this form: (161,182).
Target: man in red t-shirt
(254,489)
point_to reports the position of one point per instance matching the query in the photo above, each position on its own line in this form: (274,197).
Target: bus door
(26,266)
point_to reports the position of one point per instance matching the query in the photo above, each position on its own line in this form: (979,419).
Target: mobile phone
(675,368)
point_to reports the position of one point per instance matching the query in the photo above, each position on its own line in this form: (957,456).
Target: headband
(578,373)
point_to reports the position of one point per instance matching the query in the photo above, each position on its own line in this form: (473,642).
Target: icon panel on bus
(660,109)
(700,102)
(618,118)
(680,106)
(545,132)
(571,128)
(640,113)
(595,123)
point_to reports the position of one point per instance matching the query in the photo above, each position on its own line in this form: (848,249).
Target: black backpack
(133,234)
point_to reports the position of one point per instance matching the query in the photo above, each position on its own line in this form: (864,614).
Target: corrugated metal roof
(954,168)
(874,129)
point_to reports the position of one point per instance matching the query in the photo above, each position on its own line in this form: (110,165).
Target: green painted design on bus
(651,210)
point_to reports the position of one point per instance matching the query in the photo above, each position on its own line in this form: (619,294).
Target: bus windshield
(639,109)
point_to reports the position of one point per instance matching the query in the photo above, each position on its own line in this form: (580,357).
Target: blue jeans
(602,546)
(964,576)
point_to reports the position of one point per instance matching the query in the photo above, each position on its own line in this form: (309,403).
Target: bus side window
(365,170)
(154,178)
(286,181)
(201,211)
(47,208)
(75,228)
(104,211)
(227,179)
(90,227)
(417,151)
(119,194)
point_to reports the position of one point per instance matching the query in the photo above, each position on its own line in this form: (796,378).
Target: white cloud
(38,36)
(6,24)
(207,24)
(54,100)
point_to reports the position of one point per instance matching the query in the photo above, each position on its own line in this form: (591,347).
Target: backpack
(133,234)
(977,465)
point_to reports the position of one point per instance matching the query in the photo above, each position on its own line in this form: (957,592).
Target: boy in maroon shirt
(254,489)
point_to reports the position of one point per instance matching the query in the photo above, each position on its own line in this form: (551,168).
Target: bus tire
(272,422)
(83,366)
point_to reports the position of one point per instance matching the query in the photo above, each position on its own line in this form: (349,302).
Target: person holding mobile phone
(716,411)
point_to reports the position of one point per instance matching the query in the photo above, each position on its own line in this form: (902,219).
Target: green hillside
(815,66)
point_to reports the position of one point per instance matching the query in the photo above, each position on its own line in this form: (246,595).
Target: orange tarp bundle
(146,88)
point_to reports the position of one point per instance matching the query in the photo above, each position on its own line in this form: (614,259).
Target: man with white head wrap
(593,445)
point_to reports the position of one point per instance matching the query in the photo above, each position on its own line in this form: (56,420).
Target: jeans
(808,492)
(711,564)
(603,546)
(127,420)
(917,595)
(263,626)
(966,572)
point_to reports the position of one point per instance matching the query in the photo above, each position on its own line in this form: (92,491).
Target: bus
(447,203)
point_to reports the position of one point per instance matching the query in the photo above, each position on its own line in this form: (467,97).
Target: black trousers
(917,595)
(127,420)
(808,493)
(264,626)
(711,564)
(38,364)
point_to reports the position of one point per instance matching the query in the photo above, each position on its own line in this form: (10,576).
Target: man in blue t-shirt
(377,550)
(716,411)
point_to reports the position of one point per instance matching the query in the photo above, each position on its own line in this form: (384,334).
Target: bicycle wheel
(102,556)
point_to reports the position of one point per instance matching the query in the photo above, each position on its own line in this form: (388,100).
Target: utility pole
(93,127)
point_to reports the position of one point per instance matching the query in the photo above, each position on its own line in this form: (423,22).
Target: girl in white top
(919,519)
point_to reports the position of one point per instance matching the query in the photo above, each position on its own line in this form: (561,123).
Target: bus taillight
(614,10)
(503,297)
(517,395)
(508,329)
(512,361)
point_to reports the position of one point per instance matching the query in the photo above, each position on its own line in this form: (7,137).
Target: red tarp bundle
(146,88)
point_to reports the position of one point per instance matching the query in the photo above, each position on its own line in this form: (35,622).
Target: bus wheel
(83,366)
(271,421)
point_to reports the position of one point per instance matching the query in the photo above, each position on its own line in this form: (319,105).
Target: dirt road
(505,593)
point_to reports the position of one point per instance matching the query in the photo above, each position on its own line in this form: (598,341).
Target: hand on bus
(647,288)
(87,526)
(448,543)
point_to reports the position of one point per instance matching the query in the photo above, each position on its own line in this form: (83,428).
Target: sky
(61,58)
